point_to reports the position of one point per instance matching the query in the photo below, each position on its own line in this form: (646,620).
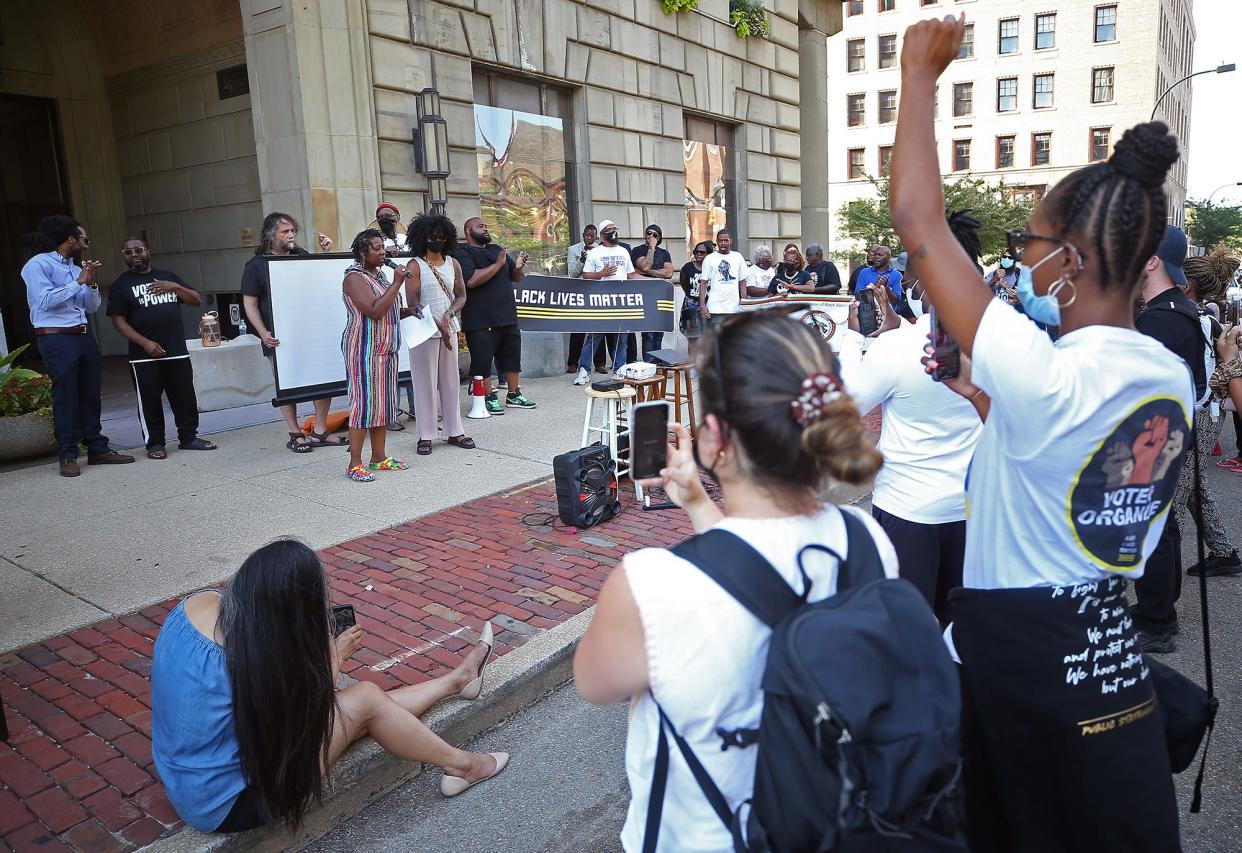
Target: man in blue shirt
(60,294)
(881,271)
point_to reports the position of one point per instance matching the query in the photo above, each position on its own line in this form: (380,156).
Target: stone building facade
(157,135)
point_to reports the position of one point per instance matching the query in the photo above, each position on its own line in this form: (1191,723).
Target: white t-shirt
(1075,471)
(601,256)
(929,432)
(398,243)
(705,658)
(756,277)
(721,273)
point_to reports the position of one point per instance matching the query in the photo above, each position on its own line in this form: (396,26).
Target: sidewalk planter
(26,437)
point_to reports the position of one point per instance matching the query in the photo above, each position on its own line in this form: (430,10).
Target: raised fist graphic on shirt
(1169,453)
(1147,447)
(1118,466)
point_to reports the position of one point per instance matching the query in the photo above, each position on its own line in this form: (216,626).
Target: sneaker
(1157,644)
(493,404)
(583,377)
(517,400)
(1218,566)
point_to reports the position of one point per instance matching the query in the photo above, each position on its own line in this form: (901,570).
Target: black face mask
(436,246)
(388,227)
(610,237)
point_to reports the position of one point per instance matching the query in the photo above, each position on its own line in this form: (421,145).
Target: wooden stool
(649,390)
(679,398)
(615,423)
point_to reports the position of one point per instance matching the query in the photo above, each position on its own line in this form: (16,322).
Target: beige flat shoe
(472,690)
(451,786)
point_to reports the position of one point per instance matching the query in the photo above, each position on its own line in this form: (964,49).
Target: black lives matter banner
(552,304)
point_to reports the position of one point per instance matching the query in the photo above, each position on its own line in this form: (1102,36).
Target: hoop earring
(1060,284)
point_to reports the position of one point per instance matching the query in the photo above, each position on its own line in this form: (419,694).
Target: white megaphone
(478,400)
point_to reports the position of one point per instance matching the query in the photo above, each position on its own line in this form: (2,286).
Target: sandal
(463,441)
(197,444)
(299,443)
(320,439)
(388,464)
(424,447)
(360,474)
(157,453)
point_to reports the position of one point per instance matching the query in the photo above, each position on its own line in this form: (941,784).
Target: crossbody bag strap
(659,783)
(448,294)
(1196,800)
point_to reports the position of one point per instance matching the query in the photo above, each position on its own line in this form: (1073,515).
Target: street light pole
(1220,69)
(1221,187)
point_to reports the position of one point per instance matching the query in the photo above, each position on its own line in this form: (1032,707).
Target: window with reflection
(711,189)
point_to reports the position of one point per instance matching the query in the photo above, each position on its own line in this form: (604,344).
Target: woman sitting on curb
(245,718)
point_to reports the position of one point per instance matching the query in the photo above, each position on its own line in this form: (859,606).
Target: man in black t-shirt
(490,316)
(145,307)
(652,260)
(823,273)
(279,237)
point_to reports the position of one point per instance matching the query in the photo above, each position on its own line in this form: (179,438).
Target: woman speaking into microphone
(1068,490)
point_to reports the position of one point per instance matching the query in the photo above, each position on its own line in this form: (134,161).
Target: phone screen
(945,351)
(342,618)
(649,440)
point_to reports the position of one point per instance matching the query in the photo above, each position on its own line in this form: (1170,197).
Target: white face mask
(916,305)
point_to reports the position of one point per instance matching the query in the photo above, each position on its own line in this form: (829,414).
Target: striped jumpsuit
(370,351)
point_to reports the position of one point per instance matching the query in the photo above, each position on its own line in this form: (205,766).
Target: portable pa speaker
(586,486)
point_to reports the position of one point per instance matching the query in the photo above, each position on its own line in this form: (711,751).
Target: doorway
(32,186)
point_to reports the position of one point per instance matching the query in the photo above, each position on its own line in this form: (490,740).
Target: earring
(1060,284)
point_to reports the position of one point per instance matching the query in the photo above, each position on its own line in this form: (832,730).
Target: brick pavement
(77,771)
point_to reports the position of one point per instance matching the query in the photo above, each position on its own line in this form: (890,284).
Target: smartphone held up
(945,351)
(649,440)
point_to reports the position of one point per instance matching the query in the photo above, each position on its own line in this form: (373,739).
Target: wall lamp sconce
(431,149)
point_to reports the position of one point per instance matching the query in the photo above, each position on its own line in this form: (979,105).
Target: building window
(1006,94)
(886,159)
(888,106)
(1046,31)
(887,5)
(1027,195)
(856,163)
(1004,152)
(1099,143)
(854,7)
(1043,92)
(967,50)
(1007,36)
(710,179)
(523,147)
(856,109)
(888,51)
(928,2)
(1041,149)
(963,99)
(1101,85)
(961,155)
(855,55)
(1106,23)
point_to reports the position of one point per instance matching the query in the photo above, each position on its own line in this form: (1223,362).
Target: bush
(748,18)
(671,6)
(22,391)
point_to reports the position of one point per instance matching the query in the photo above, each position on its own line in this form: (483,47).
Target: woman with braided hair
(1069,488)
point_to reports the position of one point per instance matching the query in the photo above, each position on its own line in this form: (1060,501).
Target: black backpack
(858,741)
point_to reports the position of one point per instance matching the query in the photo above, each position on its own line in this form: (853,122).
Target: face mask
(388,227)
(1006,263)
(610,237)
(916,306)
(436,246)
(1042,309)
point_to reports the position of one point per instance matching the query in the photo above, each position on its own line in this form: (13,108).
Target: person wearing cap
(387,216)
(654,261)
(1169,316)
(824,275)
(608,261)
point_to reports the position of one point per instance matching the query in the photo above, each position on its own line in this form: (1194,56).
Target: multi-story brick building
(1036,92)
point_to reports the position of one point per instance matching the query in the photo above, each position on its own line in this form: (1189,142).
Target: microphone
(390,263)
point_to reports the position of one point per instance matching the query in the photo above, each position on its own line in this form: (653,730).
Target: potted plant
(25,411)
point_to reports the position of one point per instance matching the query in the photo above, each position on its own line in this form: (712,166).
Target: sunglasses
(652,234)
(139,251)
(1017,240)
(700,252)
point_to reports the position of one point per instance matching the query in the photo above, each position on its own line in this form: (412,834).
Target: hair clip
(818,391)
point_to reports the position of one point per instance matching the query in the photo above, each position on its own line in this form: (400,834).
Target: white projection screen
(308,317)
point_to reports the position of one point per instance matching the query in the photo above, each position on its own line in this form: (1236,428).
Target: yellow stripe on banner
(664,305)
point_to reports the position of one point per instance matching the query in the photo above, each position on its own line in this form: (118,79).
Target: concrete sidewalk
(119,538)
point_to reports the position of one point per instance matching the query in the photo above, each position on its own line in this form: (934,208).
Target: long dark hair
(426,225)
(750,378)
(1119,205)
(278,649)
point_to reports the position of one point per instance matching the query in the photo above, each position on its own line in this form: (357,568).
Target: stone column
(314,113)
(817,19)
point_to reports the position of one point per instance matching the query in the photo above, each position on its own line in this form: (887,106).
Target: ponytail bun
(1145,153)
(838,444)
(1211,273)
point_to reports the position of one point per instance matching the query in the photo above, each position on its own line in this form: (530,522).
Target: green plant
(749,19)
(671,6)
(22,391)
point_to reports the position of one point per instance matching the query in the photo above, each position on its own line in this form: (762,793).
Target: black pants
(173,377)
(651,341)
(1237,433)
(930,556)
(72,362)
(1157,591)
(502,344)
(245,815)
